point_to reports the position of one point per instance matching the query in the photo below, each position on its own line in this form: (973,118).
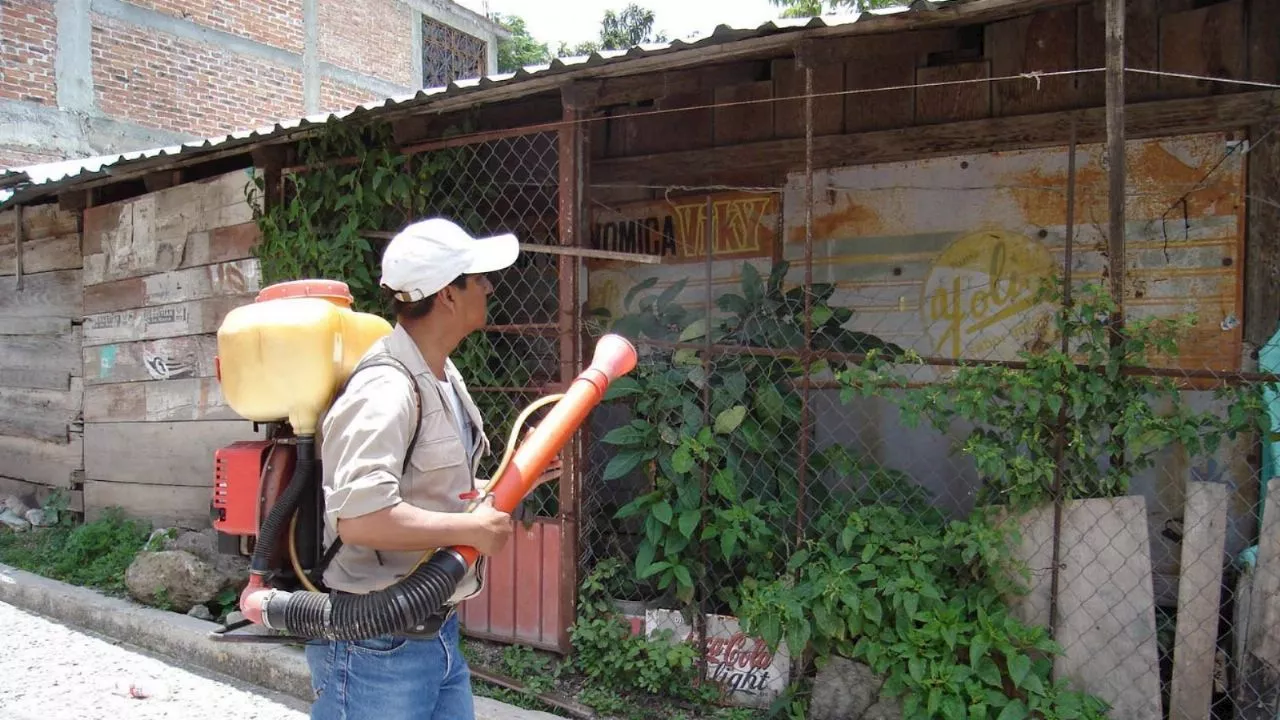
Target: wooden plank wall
(161,271)
(647,140)
(41,446)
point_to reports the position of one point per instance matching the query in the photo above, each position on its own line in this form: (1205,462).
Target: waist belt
(430,629)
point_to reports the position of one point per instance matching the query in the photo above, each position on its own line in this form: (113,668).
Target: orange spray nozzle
(614,357)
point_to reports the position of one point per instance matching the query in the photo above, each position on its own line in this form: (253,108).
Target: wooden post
(1259,683)
(1115,144)
(17,244)
(572,169)
(1199,600)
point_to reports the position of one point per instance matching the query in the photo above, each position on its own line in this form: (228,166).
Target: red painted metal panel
(502,591)
(521,601)
(527,597)
(550,610)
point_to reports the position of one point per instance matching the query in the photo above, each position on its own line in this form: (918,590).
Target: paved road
(50,671)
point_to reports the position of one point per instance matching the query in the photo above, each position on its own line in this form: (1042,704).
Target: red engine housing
(237,479)
(249,477)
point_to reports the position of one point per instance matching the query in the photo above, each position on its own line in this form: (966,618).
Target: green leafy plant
(716,436)
(320,226)
(610,657)
(921,602)
(94,554)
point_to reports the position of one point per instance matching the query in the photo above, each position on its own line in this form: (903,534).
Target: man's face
(473,302)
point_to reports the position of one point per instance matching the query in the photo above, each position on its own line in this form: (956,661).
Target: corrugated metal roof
(46,179)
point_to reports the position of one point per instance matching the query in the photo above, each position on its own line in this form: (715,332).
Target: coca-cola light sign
(749,674)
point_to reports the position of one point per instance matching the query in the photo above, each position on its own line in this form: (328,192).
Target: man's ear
(448,297)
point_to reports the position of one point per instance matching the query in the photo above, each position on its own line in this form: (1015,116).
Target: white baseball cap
(426,256)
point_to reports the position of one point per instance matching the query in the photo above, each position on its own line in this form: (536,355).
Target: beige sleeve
(365,435)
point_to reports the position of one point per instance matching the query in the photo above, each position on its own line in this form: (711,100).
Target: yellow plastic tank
(285,355)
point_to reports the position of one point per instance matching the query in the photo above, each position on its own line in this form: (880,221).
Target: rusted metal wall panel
(520,603)
(940,255)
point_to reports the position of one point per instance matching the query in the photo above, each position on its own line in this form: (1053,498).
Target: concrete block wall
(90,77)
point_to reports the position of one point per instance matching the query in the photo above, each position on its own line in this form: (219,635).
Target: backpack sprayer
(280,360)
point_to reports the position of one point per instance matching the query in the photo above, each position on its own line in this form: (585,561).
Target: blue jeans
(391,678)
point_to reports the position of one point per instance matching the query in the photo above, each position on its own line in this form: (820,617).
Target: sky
(550,21)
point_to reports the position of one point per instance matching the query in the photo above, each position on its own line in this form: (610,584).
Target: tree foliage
(814,8)
(522,48)
(632,26)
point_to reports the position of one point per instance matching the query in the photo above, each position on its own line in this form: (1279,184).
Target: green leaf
(662,511)
(820,314)
(722,483)
(688,521)
(729,420)
(915,667)
(1019,666)
(637,289)
(670,293)
(696,329)
(624,462)
(625,435)
(989,673)
(644,557)
(727,543)
(654,569)
(682,575)
(682,460)
(1015,710)
(872,610)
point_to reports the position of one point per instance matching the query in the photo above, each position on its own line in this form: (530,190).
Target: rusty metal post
(571,168)
(806,356)
(1060,431)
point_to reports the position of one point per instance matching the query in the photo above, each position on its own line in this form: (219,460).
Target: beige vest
(362,440)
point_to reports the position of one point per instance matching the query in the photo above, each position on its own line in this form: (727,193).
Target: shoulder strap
(377,359)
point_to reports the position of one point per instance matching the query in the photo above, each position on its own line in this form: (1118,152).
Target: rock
(887,709)
(200,612)
(175,577)
(15,503)
(233,569)
(42,518)
(843,690)
(14,521)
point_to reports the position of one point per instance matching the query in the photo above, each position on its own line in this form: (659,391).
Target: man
(387,511)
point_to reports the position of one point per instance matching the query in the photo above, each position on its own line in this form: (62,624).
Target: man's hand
(492,528)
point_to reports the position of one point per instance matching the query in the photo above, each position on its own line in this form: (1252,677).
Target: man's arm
(407,527)
(366,434)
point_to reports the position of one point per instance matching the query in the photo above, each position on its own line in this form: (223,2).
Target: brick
(272,22)
(373,37)
(11,157)
(28,44)
(155,79)
(336,96)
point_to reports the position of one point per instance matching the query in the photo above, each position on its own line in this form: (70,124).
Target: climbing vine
(327,222)
(322,225)
(1113,420)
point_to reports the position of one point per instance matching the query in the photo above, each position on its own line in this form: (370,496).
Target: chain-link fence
(508,184)
(892,413)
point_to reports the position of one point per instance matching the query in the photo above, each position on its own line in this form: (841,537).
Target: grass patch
(95,554)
